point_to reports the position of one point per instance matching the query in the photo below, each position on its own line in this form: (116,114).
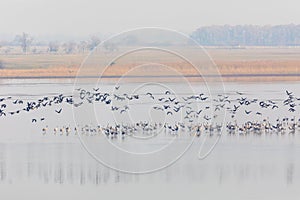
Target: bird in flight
(169,113)
(288,93)
(247,112)
(150,94)
(58,111)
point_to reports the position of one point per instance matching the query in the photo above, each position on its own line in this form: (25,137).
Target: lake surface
(252,166)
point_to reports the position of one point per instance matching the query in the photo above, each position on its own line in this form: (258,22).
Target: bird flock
(146,129)
(198,112)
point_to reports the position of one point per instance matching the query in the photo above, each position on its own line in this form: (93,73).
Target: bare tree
(69,47)
(82,46)
(24,40)
(110,46)
(7,50)
(53,47)
(94,41)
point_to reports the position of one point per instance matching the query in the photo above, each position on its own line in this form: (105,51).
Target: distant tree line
(29,44)
(248,35)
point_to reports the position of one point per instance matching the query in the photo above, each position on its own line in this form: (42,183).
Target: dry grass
(34,61)
(229,61)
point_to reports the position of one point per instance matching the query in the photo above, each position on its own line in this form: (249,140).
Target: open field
(234,64)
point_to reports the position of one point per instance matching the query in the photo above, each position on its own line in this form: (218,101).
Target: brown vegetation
(276,64)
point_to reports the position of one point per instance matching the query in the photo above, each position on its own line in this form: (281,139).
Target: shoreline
(192,78)
(153,76)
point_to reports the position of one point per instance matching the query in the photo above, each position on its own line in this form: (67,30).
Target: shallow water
(239,167)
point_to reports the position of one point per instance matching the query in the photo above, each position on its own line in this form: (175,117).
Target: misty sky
(80,18)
